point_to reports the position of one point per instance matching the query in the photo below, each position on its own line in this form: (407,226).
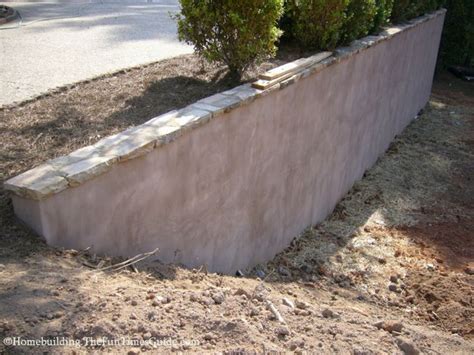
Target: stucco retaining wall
(230,180)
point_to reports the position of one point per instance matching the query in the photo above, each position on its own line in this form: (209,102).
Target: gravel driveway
(62,42)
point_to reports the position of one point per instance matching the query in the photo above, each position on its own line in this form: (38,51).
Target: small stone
(260,274)
(133,316)
(218,297)
(253,311)
(240,292)
(407,347)
(393,287)
(295,344)
(430,267)
(157,300)
(469,270)
(208,337)
(194,297)
(49,316)
(287,302)
(58,314)
(134,303)
(239,273)
(151,316)
(301,304)
(390,326)
(147,336)
(394,279)
(133,352)
(327,313)
(282,331)
(55,293)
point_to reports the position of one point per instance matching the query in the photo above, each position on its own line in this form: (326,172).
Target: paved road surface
(62,42)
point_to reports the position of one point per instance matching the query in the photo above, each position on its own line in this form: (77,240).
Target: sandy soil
(390,271)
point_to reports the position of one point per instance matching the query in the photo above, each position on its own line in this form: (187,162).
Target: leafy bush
(403,10)
(407,9)
(236,33)
(382,15)
(457,44)
(316,24)
(359,20)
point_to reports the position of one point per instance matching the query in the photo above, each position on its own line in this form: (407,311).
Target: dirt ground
(390,271)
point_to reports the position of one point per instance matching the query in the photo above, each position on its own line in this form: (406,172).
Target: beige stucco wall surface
(236,190)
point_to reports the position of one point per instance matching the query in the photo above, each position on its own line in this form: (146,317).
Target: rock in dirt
(275,311)
(253,311)
(407,346)
(469,270)
(393,288)
(240,292)
(287,302)
(218,297)
(328,313)
(282,331)
(295,344)
(301,304)
(390,326)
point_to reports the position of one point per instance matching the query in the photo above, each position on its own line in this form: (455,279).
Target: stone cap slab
(86,163)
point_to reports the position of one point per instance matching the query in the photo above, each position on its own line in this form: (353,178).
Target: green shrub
(407,9)
(382,15)
(403,10)
(359,20)
(316,24)
(236,33)
(457,44)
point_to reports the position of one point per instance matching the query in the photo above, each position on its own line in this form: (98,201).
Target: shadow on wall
(419,191)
